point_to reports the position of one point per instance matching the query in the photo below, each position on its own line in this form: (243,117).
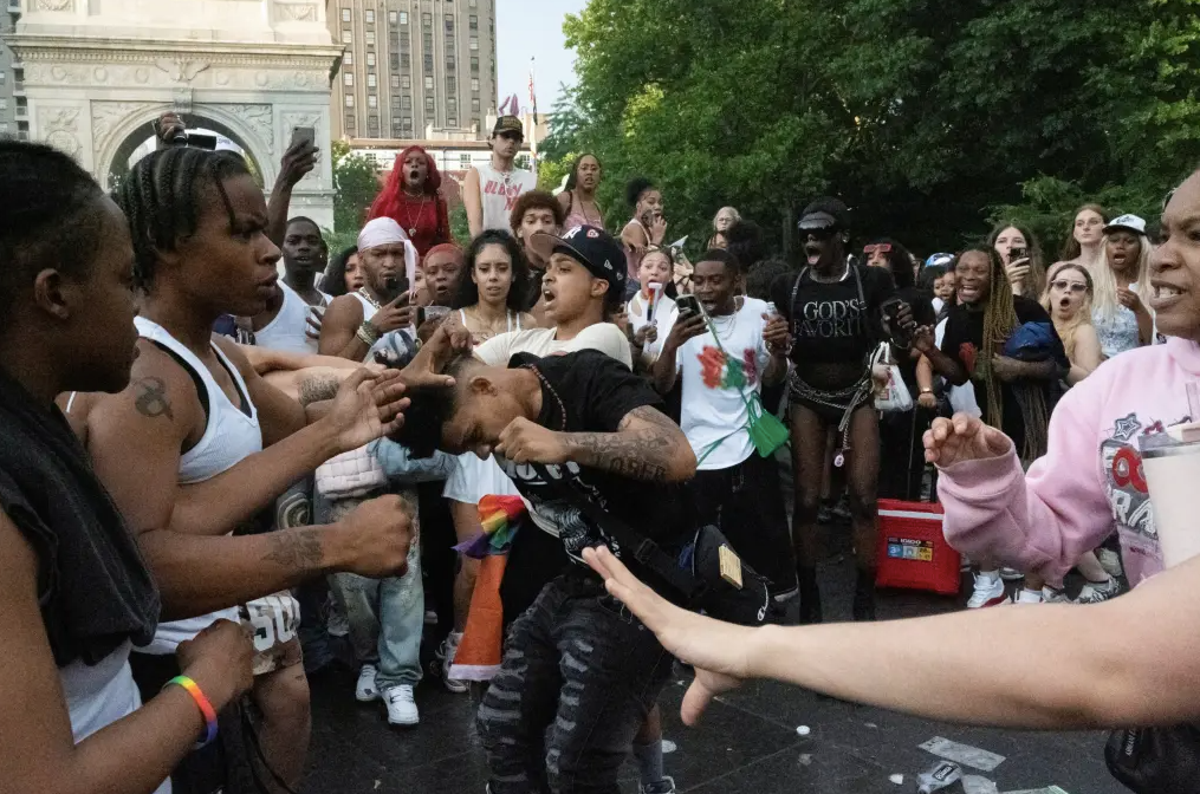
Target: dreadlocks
(160,197)
(999,322)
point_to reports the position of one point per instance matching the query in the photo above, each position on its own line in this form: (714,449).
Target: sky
(525,28)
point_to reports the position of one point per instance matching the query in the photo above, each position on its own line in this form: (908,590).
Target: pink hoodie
(1091,474)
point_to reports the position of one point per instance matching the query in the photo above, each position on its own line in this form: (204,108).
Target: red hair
(387,203)
(445,248)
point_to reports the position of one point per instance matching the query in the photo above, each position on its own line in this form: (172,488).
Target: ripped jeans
(579,677)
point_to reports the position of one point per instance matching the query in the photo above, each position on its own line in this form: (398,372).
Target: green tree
(355,184)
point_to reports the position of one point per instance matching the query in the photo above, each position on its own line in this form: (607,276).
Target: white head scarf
(385,231)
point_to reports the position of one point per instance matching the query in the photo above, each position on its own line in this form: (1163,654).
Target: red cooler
(913,553)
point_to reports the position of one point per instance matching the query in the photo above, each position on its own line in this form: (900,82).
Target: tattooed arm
(647,446)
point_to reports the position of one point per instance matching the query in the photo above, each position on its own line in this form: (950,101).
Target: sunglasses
(1069,286)
(880,248)
(818,234)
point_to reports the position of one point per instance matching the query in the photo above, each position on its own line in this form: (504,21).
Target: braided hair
(162,196)
(999,322)
(51,220)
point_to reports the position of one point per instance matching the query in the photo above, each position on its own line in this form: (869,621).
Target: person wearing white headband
(354,323)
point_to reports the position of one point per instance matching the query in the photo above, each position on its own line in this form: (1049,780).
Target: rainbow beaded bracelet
(210,714)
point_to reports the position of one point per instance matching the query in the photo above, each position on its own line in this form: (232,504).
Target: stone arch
(119,128)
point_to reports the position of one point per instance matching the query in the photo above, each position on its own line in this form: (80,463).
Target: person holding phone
(1022,256)
(835,309)
(355,323)
(647,227)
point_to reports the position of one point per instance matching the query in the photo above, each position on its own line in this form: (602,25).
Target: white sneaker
(1098,592)
(988,592)
(445,653)
(1110,561)
(1052,596)
(1025,597)
(401,708)
(365,690)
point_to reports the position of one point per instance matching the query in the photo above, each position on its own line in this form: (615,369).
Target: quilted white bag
(350,474)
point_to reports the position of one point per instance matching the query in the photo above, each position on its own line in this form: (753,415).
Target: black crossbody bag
(1156,760)
(707,571)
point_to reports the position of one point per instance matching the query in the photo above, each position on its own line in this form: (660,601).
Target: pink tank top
(577,216)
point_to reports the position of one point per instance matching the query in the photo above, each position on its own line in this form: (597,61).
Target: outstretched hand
(965,437)
(367,406)
(425,370)
(718,651)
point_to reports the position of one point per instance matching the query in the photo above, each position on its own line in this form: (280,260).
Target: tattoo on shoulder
(295,549)
(150,398)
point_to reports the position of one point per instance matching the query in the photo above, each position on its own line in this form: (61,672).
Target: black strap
(643,549)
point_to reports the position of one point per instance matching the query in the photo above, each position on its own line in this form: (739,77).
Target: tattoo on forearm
(295,550)
(646,455)
(151,400)
(316,388)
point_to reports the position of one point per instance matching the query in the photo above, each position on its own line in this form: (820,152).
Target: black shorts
(746,504)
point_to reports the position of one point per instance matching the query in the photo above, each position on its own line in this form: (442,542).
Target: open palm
(366,407)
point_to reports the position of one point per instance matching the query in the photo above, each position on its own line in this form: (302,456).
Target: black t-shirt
(963,342)
(837,322)
(596,393)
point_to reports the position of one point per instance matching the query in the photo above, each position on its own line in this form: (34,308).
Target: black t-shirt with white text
(834,323)
(596,392)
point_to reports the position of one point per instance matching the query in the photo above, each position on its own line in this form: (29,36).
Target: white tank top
(230,437)
(287,331)
(478,339)
(500,191)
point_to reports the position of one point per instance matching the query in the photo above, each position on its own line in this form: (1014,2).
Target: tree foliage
(929,117)
(355,184)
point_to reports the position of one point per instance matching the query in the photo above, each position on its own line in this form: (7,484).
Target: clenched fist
(377,535)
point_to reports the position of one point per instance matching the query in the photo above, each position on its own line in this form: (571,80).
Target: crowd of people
(218,481)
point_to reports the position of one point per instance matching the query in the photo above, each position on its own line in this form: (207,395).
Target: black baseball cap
(508,124)
(825,214)
(591,246)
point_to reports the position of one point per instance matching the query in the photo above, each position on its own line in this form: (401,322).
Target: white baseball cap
(1130,223)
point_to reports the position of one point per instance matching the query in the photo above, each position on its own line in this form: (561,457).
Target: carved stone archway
(98,73)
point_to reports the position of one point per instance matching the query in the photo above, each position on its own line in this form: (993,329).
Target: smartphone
(891,311)
(428,313)
(305,135)
(393,288)
(689,307)
(1017,253)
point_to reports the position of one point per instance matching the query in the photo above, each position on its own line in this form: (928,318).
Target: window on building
(428,61)
(472,3)
(349,100)
(451,86)
(371,38)
(474,42)
(395,122)
(450,63)
(395,61)
(464,159)
(407,125)
(393,17)
(406,81)
(370,59)
(346,37)
(449,24)
(373,126)
(429,106)
(474,64)
(3,104)
(475,104)
(428,82)
(452,121)
(348,78)
(349,122)
(406,102)
(403,17)
(475,84)
(427,20)
(395,81)
(370,16)
(371,82)
(4,127)
(372,101)
(348,59)
(3,77)
(345,14)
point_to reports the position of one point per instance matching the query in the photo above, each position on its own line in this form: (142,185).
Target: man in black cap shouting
(491,190)
(582,438)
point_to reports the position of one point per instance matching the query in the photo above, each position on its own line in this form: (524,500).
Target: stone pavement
(747,744)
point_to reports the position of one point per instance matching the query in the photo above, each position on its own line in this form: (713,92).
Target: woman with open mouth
(413,198)
(1069,298)
(835,311)
(1121,316)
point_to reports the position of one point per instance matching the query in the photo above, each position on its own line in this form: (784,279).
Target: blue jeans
(579,676)
(387,615)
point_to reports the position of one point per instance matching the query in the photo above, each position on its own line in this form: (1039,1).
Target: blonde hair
(1104,299)
(732,211)
(1067,331)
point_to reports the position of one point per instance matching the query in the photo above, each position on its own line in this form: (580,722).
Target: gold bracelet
(367,333)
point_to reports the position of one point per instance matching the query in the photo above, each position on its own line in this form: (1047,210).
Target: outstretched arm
(647,446)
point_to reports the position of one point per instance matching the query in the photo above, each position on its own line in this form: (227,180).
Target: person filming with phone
(354,323)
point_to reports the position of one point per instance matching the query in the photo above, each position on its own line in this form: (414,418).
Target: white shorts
(473,479)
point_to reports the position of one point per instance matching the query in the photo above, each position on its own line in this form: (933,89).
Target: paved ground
(747,744)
